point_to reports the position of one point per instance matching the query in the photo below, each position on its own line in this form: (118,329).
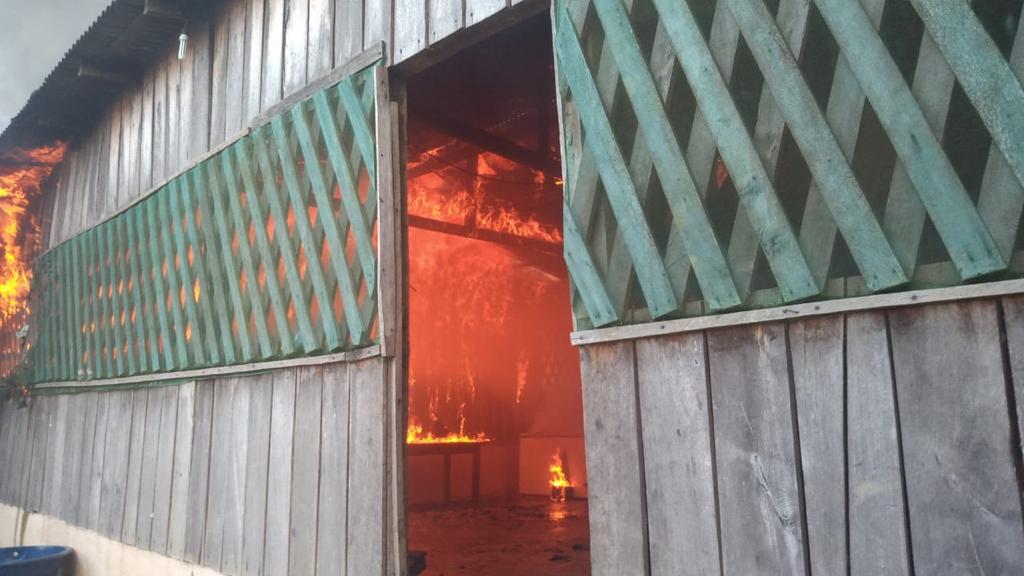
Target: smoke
(34,36)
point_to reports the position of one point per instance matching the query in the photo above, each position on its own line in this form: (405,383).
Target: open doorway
(496,473)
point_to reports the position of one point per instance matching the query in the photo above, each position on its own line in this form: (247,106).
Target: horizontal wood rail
(805,310)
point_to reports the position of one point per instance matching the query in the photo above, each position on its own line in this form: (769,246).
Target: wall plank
(256,472)
(177,521)
(878,538)
(129,525)
(195,523)
(617,524)
(305,472)
(1013,309)
(221,439)
(164,468)
(99,453)
(348,30)
(253,57)
(411,28)
(964,501)
(366,480)
(148,477)
(296,38)
(446,16)
(678,457)
(279,482)
(115,462)
(273,53)
(321,38)
(334,447)
(234,489)
(755,444)
(816,350)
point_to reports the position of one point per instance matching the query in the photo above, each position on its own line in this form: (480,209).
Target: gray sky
(34,35)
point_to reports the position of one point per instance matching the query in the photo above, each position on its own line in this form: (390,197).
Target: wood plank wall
(265,474)
(244,56)
(882,442)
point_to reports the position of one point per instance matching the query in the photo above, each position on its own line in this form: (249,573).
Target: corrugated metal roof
(112,52)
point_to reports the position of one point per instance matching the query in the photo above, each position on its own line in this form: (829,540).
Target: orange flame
(557,469)
(22,173)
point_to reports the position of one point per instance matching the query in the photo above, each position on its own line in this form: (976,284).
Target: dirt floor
(529,537)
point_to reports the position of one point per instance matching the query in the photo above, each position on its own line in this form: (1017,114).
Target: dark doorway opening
(495,467)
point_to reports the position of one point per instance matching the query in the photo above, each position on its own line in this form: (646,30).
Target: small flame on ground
(557,469)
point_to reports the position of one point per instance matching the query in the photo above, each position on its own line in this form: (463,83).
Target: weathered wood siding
(244,57)
(277,473)
(881,442)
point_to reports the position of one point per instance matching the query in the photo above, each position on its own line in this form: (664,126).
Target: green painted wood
(106,325)
(357,117)
(287,253)
(244,250)
(209,270)
(349,192)
(144,300)
(335,241)
(755,189)
(984,74)
(940,190)
(164,262)
(838,184)
(67,315)
(705,254)
(150,264)
(651,273)
(135,340)
(79,311)
(112,297)
(586,278)
(264,248)
(186,287)
(304,229)
(91,302)
(1001,200)
(49,322)
(138,265)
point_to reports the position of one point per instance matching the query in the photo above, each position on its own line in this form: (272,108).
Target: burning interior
(496,471)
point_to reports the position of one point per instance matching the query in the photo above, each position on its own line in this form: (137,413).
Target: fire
(557,469)
(433,199)
(484,232)
(416,435)
(22,173)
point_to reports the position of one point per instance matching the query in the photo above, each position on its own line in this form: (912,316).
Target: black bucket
(37,561)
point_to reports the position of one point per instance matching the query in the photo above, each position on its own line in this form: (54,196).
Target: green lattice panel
(266,250)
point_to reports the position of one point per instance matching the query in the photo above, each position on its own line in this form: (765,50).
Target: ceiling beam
(486,140)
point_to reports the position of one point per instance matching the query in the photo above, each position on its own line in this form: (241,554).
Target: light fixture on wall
(182,44)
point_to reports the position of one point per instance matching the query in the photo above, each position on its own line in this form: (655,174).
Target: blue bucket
(37,561)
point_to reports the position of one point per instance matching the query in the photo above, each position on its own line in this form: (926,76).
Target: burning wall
(22,174)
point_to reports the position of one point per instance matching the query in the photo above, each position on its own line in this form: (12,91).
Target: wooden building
(792,230)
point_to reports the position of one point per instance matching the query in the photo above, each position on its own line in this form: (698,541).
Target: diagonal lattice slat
(722,105)
(242,258)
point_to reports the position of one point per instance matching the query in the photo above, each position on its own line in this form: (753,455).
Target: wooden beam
(484,235)
(486,140)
